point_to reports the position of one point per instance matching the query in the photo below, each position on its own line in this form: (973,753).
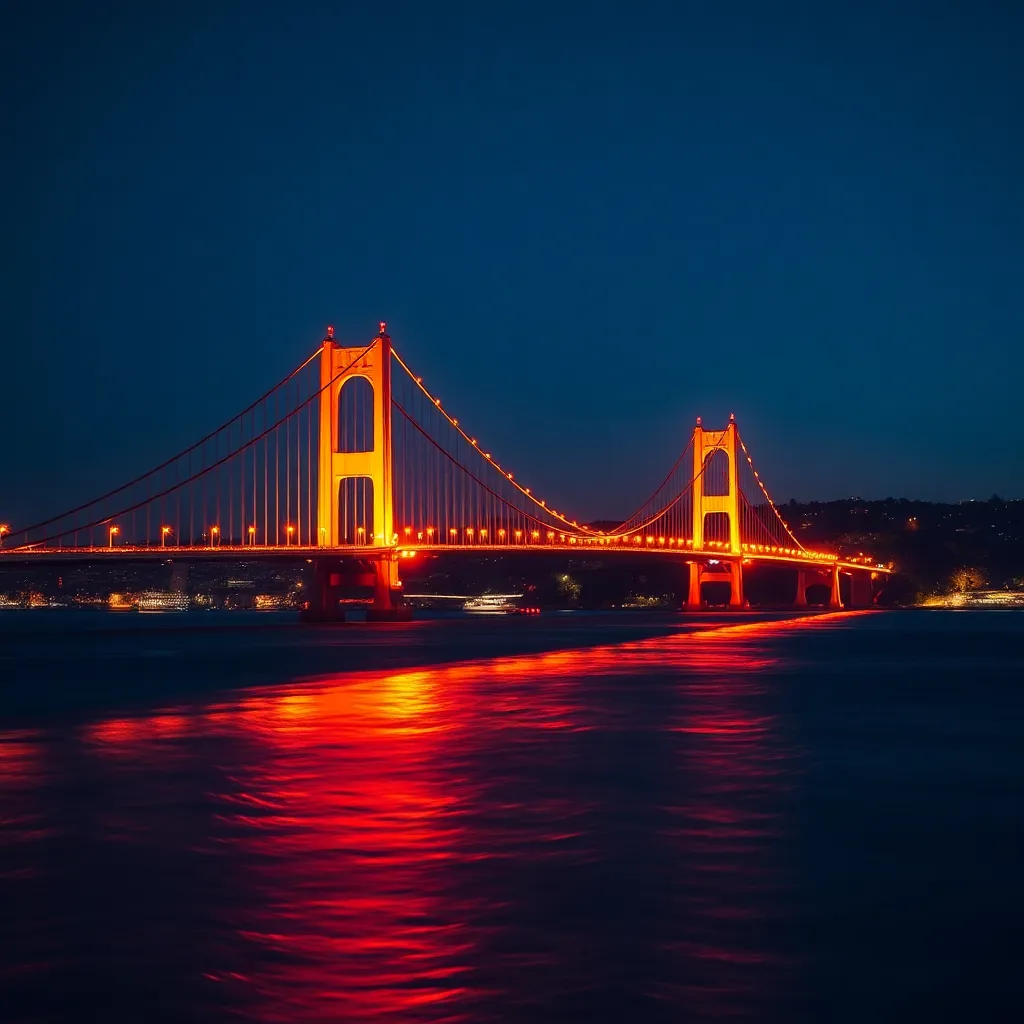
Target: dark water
(810,820)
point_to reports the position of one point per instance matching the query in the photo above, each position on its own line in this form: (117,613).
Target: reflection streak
(401,845)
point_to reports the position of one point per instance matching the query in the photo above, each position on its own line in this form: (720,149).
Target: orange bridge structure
(351,462)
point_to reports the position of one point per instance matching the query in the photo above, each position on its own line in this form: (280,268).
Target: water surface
(594,818)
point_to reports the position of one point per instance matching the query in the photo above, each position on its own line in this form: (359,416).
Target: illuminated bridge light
(426,486)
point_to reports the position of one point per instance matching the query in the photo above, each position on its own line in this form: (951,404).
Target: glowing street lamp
(252,536)
(519,534)
(501,535)
(4,528)
(112,533)
(289,530)
(164,530)
(214,530)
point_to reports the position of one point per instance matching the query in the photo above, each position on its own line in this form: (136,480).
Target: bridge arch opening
(355,416)
(716,527)
(715,481)
(355,510)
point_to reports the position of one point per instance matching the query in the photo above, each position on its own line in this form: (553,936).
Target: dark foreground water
(592,819)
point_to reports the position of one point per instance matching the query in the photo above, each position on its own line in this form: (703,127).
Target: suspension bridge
(351,462)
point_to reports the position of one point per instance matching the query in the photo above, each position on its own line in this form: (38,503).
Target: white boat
(489,604)
(163,601)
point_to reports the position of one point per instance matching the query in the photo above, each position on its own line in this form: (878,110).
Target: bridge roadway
(235,552)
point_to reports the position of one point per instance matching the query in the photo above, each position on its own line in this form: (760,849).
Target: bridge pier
(736,585)
(388,603)
(835,599)
(699,572)
(324,592)
(801,589)
(693,601)
(861,590)
(818,577)
(335,578)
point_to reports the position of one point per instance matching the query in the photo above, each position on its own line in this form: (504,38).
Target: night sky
(585,225)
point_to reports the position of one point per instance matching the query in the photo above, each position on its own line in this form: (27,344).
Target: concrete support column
(388,605)
(736,599)
(693,601)
(801,589)
(324,591)
(834,598)
(385,583)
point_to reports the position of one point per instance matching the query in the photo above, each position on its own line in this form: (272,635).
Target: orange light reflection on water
(353,809)
(733,889)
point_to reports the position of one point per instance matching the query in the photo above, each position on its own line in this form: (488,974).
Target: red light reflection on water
(734,888)
(770,629)
(347,814)
(23,769)
(123,735)
(352,822)
(357,817)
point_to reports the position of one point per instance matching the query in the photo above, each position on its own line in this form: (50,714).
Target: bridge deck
(237,552)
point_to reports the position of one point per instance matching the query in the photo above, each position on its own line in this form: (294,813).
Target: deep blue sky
(585,225)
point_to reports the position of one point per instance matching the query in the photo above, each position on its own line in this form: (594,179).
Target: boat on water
(489,604)
(499,604)
(163,601)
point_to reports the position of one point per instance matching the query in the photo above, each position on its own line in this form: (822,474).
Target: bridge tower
(705,444)
(338,366)
(375,561)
